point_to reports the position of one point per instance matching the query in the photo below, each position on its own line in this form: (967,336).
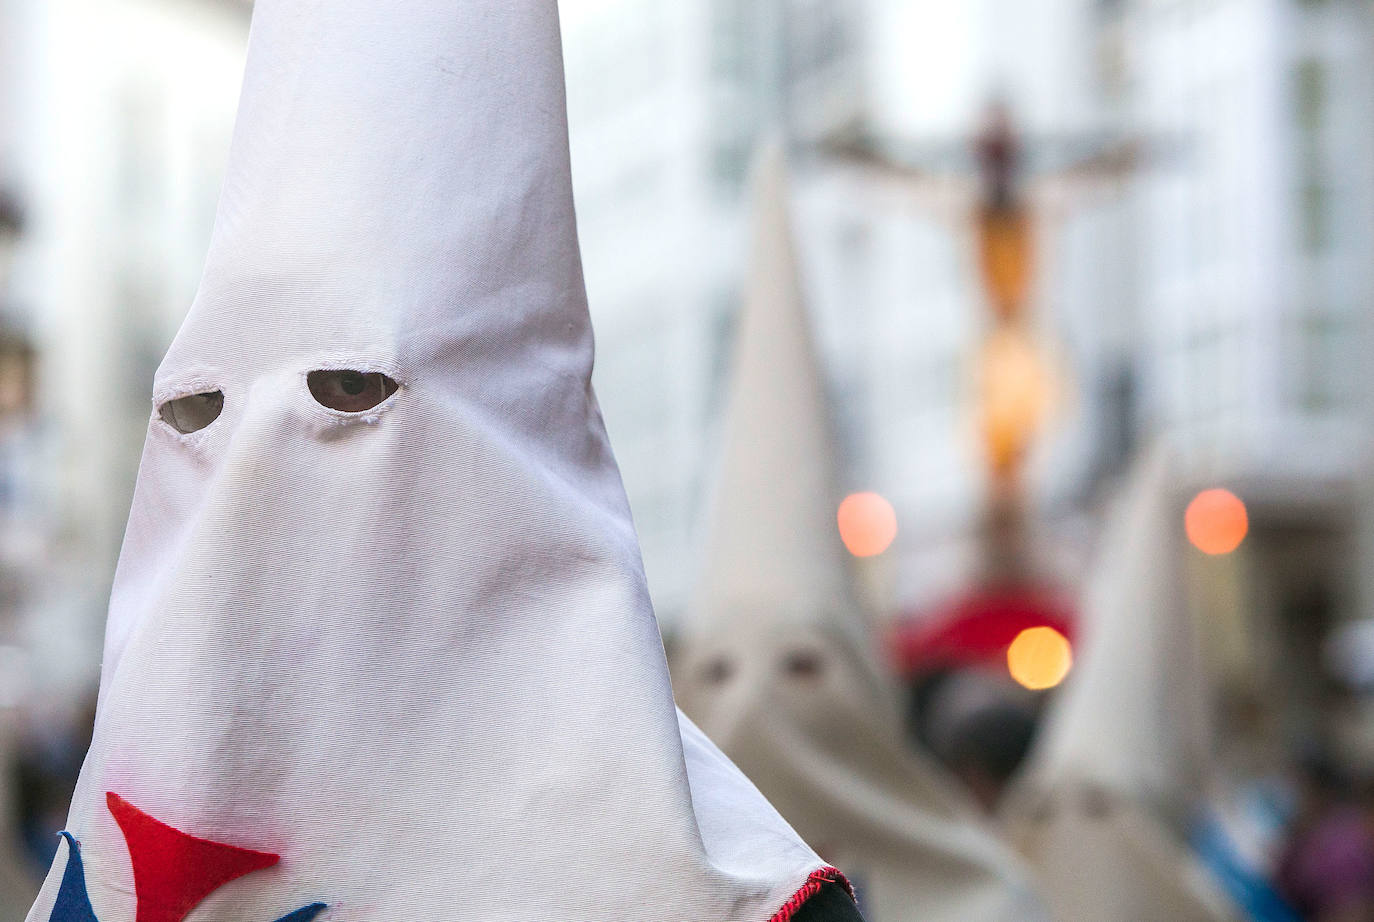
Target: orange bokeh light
(1216,521)
(1039,657)
(867,523)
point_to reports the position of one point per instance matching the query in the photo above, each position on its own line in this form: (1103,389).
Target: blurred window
(1310,99)
(735,92)
(724,309)
(817,37)
(1328,338)
(733,31)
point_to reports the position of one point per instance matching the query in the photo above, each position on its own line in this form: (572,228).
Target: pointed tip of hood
(771,538)
(397,170)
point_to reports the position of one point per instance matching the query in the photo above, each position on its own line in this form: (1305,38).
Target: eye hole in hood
(350,391)
(803,664)
(717,671)
(193,412)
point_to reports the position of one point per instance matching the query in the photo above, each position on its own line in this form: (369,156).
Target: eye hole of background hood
(803,664)
(717,671)
(350,391)
(192,412)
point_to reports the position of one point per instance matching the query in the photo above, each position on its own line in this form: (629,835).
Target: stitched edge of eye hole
(317,380)
(189,413)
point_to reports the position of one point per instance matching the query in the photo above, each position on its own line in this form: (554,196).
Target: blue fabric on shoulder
(73,903)
(304,914)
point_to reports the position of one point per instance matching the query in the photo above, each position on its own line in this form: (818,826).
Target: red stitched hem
(819,878)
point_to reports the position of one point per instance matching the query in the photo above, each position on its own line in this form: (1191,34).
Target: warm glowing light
(867,524)
(1016,396)
(1216,521)
(1039,657)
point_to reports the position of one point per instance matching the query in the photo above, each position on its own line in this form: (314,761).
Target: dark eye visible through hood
(350,391)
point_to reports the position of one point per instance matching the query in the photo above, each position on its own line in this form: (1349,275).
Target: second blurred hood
(771,541)
(1123,751)
(776,662)
(1133,718)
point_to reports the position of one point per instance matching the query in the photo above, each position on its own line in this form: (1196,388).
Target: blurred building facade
(1254,311)
(120,128)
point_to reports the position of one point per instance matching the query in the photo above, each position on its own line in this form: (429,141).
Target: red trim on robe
(818,878)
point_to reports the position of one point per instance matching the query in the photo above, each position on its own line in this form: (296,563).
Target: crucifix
(1003,186)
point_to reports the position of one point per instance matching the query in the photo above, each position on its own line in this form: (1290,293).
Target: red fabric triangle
(174,871)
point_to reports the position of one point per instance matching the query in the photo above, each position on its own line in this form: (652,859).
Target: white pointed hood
(1132,719)
(771,539)
(775,662)
(1124,748)
(398,662)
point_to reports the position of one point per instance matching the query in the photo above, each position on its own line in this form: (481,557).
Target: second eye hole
(803,664)
(717,671)
(192,412)
(350,391)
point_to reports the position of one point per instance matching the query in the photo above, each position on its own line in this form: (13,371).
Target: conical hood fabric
(1123,750)
(771,536)
(774,663)
(1109,859)
(1132,719)
(397,662)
